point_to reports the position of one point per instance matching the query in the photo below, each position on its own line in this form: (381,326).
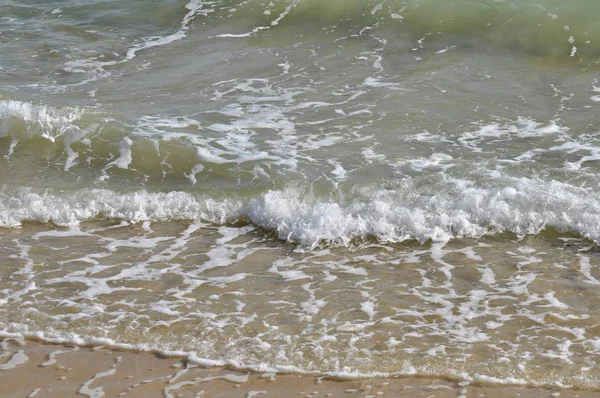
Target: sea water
(345,188)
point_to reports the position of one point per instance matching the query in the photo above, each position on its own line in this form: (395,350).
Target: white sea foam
(88,204)
(15,360)
(38,120)
(74,339)
(527,207)
(95,69)
(194,7)
(258,29)
(96,392)
(21,120)
(124,158)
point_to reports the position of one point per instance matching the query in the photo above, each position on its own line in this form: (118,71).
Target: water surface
(356,188)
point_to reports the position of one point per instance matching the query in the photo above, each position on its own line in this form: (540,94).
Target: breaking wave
(528,207)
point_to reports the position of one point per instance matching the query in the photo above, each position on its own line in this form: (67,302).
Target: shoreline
(31,368)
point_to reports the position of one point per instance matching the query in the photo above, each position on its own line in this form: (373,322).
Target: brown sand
(32,369)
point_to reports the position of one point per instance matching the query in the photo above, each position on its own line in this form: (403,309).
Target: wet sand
(34,369)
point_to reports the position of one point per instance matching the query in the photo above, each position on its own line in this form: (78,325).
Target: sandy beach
(34,369)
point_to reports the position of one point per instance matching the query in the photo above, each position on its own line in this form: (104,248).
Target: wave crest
(528,207)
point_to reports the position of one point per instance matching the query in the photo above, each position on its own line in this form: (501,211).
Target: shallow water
(357,188)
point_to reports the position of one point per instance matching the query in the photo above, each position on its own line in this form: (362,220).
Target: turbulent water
(343,187)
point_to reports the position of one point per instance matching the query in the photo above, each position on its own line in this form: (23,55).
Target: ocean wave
(97,141)
(25,119)
(542,27)
(71,209)
(527,207)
